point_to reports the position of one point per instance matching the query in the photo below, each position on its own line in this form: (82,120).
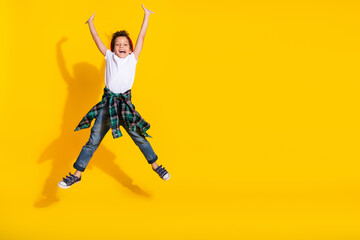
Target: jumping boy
(115,108)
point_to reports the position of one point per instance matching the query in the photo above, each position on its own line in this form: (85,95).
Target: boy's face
(122,47)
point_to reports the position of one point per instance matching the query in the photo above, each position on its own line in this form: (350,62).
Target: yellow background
(253,108)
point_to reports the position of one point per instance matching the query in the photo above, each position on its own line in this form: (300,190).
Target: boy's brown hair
(121,33)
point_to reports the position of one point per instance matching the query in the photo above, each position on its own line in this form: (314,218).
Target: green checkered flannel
(118,105)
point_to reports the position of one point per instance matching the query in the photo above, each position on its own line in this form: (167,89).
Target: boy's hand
(147,11)
(91,18)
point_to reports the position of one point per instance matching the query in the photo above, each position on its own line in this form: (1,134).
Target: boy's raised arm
(141,37)
(95,35)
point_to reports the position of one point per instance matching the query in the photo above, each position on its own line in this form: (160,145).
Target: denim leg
(98,131)
(143,144)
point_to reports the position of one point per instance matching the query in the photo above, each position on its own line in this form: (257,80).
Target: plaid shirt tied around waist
(118,105)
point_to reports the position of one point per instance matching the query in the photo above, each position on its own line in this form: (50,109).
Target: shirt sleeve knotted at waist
(118,105)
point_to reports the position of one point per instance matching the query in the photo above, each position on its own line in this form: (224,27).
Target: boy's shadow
(83,89)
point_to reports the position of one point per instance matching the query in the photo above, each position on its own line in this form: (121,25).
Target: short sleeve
(133,57)
(108,54)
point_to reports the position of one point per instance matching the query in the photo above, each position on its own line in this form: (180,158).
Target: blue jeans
(98,132)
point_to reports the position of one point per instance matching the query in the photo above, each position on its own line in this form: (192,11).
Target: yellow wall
(253,108)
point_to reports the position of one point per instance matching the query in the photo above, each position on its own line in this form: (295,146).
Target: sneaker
(162,172)
(68,181)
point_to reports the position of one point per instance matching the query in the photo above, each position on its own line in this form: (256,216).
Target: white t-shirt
(119,72)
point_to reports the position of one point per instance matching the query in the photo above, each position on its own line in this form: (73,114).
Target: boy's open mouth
(122,51)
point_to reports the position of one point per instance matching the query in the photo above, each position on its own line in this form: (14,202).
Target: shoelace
(161,171)
(70,179)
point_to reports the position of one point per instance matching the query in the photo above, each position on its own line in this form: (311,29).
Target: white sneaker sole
(65,186)
(166,177)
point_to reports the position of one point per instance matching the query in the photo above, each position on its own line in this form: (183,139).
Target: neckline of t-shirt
(122,59)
